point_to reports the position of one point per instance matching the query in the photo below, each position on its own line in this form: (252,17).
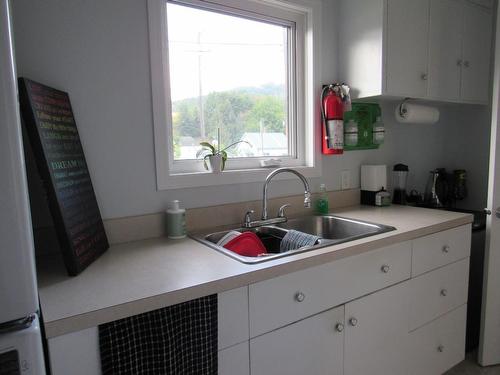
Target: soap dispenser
(322,202)
(176,221)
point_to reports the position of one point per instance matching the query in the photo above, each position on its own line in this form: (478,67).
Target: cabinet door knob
(385,268)
(459,62)
(299,296)
(466,64)
(424,76)
(440,348)
(444,292)
(353,322)
(339,327)
(446,249)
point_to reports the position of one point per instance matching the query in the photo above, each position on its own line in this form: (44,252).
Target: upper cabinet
(427,49)
(476,54)
(407,50)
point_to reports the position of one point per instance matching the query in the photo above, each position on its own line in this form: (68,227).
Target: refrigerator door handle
(17,325)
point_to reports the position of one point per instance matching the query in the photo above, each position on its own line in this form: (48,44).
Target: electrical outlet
(346,180)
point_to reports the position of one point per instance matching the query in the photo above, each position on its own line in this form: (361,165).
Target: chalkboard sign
(51,128)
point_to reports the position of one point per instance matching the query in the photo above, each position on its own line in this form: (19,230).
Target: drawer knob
(424,76)
(353,322)
(385,268)
(299,296)
(444,292)
(339,327)
(440,348)
(446,249)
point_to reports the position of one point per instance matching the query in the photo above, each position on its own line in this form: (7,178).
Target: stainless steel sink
(330,228)
(335,227)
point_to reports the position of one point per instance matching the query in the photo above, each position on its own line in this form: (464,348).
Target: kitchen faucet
(281,213)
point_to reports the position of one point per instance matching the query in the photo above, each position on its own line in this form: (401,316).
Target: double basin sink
(330,229)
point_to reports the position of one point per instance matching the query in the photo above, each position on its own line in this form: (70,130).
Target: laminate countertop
(142,276)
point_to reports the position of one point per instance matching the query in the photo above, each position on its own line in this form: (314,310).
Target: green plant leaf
(201,151)
(209,146)
(224,158)
(205,162)
(234,144)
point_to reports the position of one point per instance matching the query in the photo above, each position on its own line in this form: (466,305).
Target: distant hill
(264,90)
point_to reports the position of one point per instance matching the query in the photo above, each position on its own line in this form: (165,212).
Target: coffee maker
(399,181)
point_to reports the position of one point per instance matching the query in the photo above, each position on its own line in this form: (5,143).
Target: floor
(470,367)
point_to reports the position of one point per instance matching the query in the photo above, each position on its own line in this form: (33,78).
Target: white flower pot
(215,163)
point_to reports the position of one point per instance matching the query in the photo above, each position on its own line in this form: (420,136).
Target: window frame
(172,173)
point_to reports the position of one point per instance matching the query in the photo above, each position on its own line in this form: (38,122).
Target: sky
(231,52)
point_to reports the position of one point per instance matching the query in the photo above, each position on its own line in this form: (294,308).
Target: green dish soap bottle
(322,202)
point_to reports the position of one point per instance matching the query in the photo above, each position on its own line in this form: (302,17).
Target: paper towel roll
(409,113)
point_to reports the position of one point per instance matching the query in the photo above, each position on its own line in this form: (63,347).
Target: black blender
(399,180)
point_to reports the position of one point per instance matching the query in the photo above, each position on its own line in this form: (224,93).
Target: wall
(98,52)
(460,140)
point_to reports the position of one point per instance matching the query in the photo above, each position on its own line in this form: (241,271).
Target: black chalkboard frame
(95,246)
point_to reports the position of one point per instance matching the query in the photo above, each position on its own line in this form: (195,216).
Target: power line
(230,43)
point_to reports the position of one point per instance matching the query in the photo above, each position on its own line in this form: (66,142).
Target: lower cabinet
(409,324)
(439,345)
(311,346)
(366,336)
(234,360)
(376,334)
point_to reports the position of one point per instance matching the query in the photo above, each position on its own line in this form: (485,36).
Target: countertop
(141,276)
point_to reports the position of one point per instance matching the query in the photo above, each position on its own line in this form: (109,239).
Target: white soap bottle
(176,221)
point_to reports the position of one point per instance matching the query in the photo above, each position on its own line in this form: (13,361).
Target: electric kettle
(436,190)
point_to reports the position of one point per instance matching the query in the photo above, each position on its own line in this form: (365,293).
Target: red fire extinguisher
(332,128)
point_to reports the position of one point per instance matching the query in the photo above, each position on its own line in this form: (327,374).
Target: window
(234,68)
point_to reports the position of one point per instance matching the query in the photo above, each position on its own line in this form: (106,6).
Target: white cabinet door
(445,49)
(232,311)
(234,360)
(407,47)
(75,353)
(376,335)
(476,54)
(311,346)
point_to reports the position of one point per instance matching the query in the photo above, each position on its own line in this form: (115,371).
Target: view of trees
(235,112)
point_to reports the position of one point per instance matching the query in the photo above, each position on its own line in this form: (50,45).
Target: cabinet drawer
(441,248)
(438,292)
(288,298)
(439,345)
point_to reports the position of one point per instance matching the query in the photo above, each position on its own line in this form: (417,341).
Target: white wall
(98,52)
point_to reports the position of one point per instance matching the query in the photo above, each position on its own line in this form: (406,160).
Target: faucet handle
(248,218)
(281,211)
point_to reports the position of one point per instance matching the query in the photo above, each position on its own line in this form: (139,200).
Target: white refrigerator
(21,350)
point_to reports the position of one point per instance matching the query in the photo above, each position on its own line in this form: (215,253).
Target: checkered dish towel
(176,340)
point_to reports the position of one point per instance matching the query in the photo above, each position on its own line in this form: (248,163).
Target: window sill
(229,177)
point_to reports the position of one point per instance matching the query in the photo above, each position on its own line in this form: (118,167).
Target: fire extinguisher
(332,128)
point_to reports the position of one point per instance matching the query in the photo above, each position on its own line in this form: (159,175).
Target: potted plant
(216,156)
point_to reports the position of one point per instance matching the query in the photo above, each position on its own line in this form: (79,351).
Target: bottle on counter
(322,202)
(383,198)
(176,221)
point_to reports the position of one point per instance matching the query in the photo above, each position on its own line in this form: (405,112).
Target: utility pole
(200,89)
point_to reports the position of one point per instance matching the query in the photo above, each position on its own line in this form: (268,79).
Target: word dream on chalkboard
(51,128)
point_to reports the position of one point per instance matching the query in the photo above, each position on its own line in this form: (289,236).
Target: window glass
(231,73)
